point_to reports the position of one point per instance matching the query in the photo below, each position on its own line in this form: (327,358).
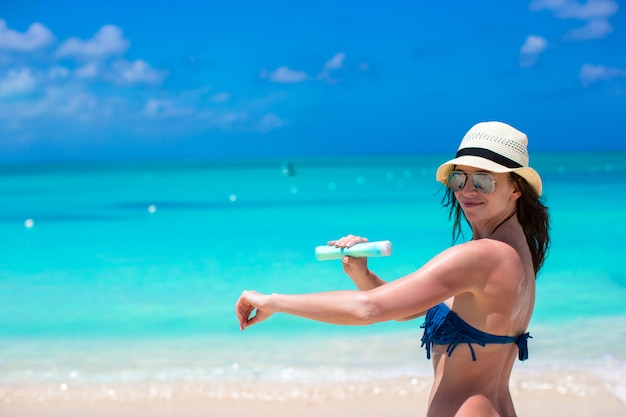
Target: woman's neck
(488,231)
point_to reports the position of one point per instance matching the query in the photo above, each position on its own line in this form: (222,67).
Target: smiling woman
(478,296)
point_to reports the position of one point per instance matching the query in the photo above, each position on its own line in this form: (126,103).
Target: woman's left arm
(335,307)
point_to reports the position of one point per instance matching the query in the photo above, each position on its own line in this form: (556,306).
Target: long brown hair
(531,213)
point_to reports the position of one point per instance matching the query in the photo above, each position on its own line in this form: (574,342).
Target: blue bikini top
(443,326)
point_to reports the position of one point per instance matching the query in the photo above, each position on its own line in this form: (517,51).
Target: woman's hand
(248,302)
(347,241)
(355,268)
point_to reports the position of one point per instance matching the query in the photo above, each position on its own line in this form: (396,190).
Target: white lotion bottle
(360,250)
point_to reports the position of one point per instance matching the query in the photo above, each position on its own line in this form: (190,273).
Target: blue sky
(155,79)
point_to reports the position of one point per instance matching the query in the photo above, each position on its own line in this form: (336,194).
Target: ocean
(120,278)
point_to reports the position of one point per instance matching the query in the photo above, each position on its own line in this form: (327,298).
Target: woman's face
(479,205)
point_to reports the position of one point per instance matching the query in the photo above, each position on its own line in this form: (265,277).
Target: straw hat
(495,147)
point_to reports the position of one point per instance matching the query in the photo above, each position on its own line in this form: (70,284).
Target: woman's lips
(470,204)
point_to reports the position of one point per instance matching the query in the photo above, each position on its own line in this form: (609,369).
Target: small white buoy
(29,223)
(232,198)
(151,208)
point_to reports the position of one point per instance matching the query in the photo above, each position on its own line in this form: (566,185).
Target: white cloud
(284,75)
(17,82)
(532,48)
(547,4)
(269,122)
(89,71)
(37,36)
(225,121)
(91,56)
(534,45)
(136,72)
(120,72)
(336,62)
(53,103)
(333,64)
(592,73)
(571,9)
(63,91)
(594,13)
(185,112)
(594,29)
(108,41)
(79,105)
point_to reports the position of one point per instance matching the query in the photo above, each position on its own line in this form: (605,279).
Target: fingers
(354,265)
(251,309)
(347,241)
(244,310)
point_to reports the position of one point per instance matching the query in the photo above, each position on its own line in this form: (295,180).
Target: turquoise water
(130,270)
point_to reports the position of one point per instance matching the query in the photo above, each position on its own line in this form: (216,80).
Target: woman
(477,296)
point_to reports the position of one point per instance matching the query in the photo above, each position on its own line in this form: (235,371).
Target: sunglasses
(482,181)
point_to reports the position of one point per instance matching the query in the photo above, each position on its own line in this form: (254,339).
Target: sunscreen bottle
(360,250)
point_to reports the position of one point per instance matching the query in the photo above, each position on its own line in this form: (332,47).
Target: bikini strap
(522,345)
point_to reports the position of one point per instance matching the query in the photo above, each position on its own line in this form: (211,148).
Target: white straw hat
(495,147)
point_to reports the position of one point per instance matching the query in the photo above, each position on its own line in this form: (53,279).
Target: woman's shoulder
(489,248)
(491,257)
(493,270)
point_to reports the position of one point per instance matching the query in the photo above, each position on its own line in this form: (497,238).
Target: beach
(560,394)
(118,282)
(360,374)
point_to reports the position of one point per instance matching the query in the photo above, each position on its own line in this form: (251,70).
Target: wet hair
(531,213)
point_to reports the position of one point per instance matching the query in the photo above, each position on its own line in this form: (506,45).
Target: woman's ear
(515,194)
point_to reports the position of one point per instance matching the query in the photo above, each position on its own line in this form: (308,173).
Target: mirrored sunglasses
(482,181)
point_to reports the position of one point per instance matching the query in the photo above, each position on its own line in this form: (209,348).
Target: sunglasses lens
(456,181)
(483,182)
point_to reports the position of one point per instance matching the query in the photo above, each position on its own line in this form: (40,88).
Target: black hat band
(491,155)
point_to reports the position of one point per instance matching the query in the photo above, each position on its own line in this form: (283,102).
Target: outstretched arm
(336,307)
(462,268)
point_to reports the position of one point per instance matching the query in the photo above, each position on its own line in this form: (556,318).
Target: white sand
(573,394)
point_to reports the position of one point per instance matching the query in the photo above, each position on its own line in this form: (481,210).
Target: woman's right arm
(357,270)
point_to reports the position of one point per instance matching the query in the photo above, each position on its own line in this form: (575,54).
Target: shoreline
(537,393)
